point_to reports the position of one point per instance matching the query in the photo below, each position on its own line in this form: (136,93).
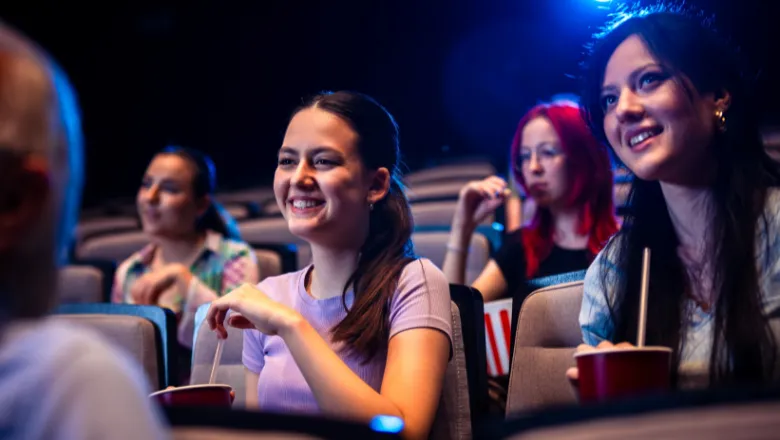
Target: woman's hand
(250,309)
(573,374)
(148,288)
(478,199)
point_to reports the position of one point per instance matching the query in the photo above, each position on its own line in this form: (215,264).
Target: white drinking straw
(640,333)
(217,358)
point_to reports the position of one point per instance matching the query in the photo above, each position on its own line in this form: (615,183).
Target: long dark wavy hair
(388,248)
(743,348)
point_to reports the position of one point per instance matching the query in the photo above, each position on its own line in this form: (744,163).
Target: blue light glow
(390,424)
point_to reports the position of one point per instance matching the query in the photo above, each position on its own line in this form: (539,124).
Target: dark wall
(224,76)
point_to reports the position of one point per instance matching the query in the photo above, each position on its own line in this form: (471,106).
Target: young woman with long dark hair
(196,254)
(669,96)
(366,329)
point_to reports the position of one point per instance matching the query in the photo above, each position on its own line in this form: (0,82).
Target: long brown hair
(388,249)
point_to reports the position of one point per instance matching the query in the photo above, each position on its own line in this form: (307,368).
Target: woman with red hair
(567,172)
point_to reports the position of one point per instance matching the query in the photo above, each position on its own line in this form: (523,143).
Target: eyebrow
(313,151)
(631,77)
(162,179)
(542,144)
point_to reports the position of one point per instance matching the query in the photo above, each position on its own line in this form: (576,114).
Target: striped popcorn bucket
(498,325)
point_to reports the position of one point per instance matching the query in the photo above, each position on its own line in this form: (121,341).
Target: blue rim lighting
(389,424)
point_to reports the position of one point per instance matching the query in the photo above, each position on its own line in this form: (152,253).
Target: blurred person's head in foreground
(41,173)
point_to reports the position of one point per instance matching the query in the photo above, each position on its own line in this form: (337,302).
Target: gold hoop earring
(720,120)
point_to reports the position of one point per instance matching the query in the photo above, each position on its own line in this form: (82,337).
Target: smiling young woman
(352,333)
(668,95)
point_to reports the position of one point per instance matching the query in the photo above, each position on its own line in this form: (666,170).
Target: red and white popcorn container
(498,331)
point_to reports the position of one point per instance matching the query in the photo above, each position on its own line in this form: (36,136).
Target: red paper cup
(195,395)
(498,324)
(623,372)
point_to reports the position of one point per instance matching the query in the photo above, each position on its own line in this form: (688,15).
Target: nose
(535,165)
(302,176)
(151,195)
(628,108)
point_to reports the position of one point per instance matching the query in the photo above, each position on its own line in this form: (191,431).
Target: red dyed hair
(589,178)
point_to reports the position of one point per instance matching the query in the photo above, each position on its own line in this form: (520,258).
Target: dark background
(223,76)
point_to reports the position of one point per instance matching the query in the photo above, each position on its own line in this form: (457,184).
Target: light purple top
(422,300)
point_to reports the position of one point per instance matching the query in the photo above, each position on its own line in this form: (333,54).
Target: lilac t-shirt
(422,300)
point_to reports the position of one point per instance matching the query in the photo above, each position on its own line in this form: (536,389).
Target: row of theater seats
(149,332)
(546,338)
(103,239)
(432,192)
(88,278)
(743,414)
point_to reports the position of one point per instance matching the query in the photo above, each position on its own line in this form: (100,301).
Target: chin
(158,231)
(151,230)
(647,168)
(303,229)
(543,200)
(647,171)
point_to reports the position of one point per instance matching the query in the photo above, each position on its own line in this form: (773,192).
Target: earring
(720,120)
(370,206)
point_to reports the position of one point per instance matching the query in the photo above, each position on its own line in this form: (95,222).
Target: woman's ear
(379,185)
(723,100)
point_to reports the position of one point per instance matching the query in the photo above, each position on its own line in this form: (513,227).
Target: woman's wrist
(457,249)
(460,237)
(292,325)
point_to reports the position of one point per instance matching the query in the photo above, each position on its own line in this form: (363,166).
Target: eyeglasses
(544,153)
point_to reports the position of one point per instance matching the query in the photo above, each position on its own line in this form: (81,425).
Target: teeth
(642,136)
(303,204)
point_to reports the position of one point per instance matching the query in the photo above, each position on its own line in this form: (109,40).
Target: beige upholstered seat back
(548,332)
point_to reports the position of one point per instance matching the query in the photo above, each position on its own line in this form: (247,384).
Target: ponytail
(387,250)
(388,247)
(217,219)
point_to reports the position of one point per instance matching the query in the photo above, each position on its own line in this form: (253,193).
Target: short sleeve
(422,300)
(595,319)
(510,259)
(253,353)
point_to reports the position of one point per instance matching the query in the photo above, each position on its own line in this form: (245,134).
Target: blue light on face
(389,424)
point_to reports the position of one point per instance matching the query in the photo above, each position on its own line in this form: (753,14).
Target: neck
(689,208)
(179,249)
(566,234)
(332,269)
